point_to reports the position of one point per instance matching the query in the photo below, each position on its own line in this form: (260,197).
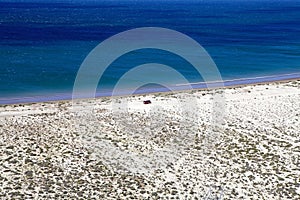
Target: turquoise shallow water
(42,45)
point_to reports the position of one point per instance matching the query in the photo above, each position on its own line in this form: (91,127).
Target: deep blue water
(42,45)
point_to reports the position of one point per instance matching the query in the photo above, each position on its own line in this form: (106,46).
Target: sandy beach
(173,148)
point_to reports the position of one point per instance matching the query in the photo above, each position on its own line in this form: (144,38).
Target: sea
(43,43)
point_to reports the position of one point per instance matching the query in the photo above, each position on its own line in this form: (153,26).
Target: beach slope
(157,150)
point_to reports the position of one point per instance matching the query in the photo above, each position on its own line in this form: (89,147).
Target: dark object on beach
(147,102)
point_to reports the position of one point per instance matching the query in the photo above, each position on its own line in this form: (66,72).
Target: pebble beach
(120,148)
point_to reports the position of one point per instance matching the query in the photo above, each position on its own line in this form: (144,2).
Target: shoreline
(163,145)
(199,86)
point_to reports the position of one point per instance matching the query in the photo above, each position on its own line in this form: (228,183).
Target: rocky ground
(187,145)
